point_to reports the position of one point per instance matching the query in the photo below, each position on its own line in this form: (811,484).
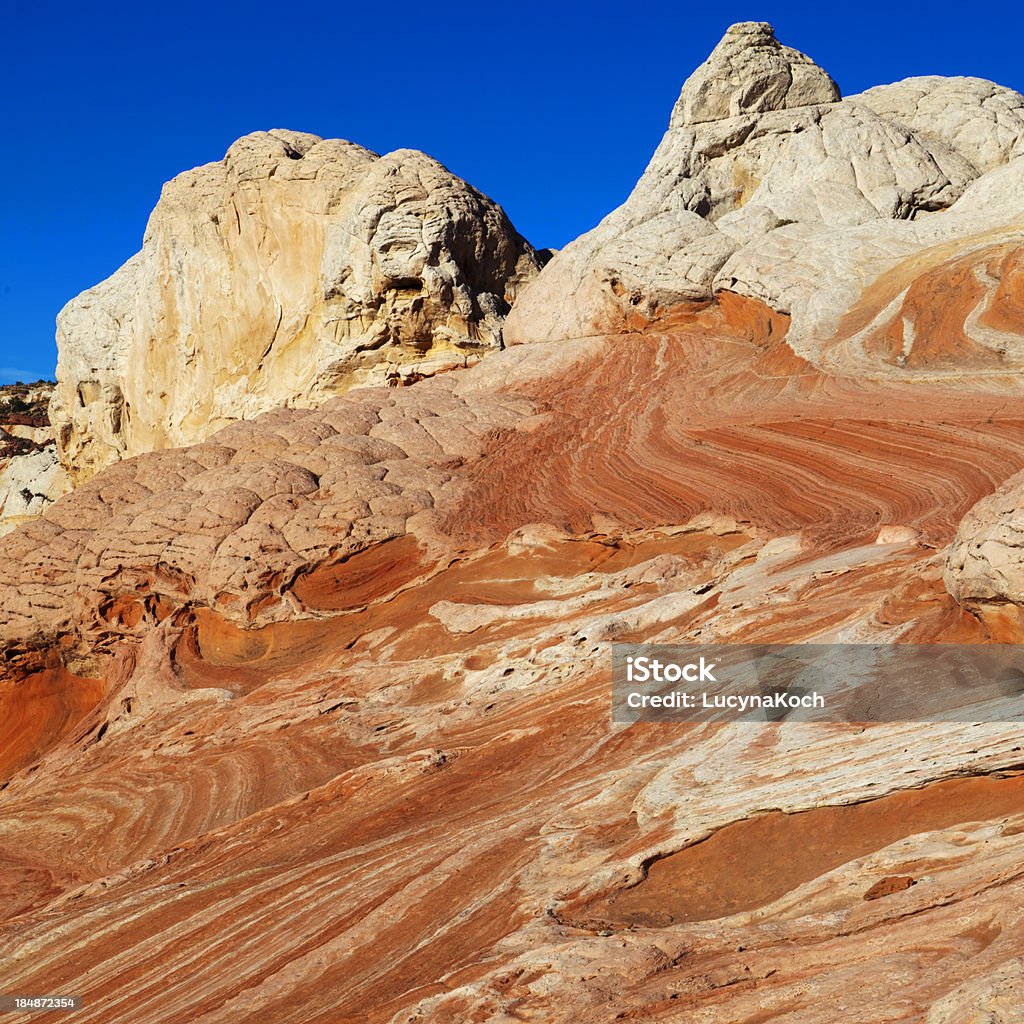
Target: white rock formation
(982,121)
(985,563)
(295,268)
(28,484)
(749,72)
(762,155)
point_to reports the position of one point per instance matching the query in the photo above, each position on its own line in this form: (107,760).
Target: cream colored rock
(985,562)
(40,435)
(294,269)
(760,156)
(852,167)
(749,72)
(28,484)
(982,121)
(31,476)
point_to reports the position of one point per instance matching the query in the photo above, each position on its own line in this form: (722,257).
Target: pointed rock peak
(750,72)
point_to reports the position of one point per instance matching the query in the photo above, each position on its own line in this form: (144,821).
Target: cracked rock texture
(981,121)
(292,270)
(765,171)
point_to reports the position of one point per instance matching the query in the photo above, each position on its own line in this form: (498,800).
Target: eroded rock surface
(294,269)
(350,663)
(766,178)
(310,722)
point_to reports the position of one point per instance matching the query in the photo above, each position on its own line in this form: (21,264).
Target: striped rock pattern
(372,777)
(309,722)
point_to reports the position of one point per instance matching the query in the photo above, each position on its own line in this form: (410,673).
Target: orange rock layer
(332,739)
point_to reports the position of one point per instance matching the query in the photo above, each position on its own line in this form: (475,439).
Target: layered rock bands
(308,720)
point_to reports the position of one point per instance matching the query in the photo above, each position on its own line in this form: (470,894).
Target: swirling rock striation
(341,751)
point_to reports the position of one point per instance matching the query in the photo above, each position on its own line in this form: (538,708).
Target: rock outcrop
(985,562)
(31,476)
(763,167)
(294,269)
(750,72)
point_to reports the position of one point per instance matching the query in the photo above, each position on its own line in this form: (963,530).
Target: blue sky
(553,109)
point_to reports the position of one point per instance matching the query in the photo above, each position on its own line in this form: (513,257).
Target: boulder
(292,270)
(985,562)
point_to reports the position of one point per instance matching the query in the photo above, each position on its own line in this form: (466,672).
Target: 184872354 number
(29,1004)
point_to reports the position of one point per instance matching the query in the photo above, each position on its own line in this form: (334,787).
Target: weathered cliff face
(31,476)
(294,269)
(765,179)
(310,721)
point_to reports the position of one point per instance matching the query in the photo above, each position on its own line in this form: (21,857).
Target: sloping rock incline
(311,721)
(234,523)
(764,171)
(294,269)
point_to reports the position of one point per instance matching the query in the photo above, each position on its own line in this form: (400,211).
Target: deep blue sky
(553,109)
